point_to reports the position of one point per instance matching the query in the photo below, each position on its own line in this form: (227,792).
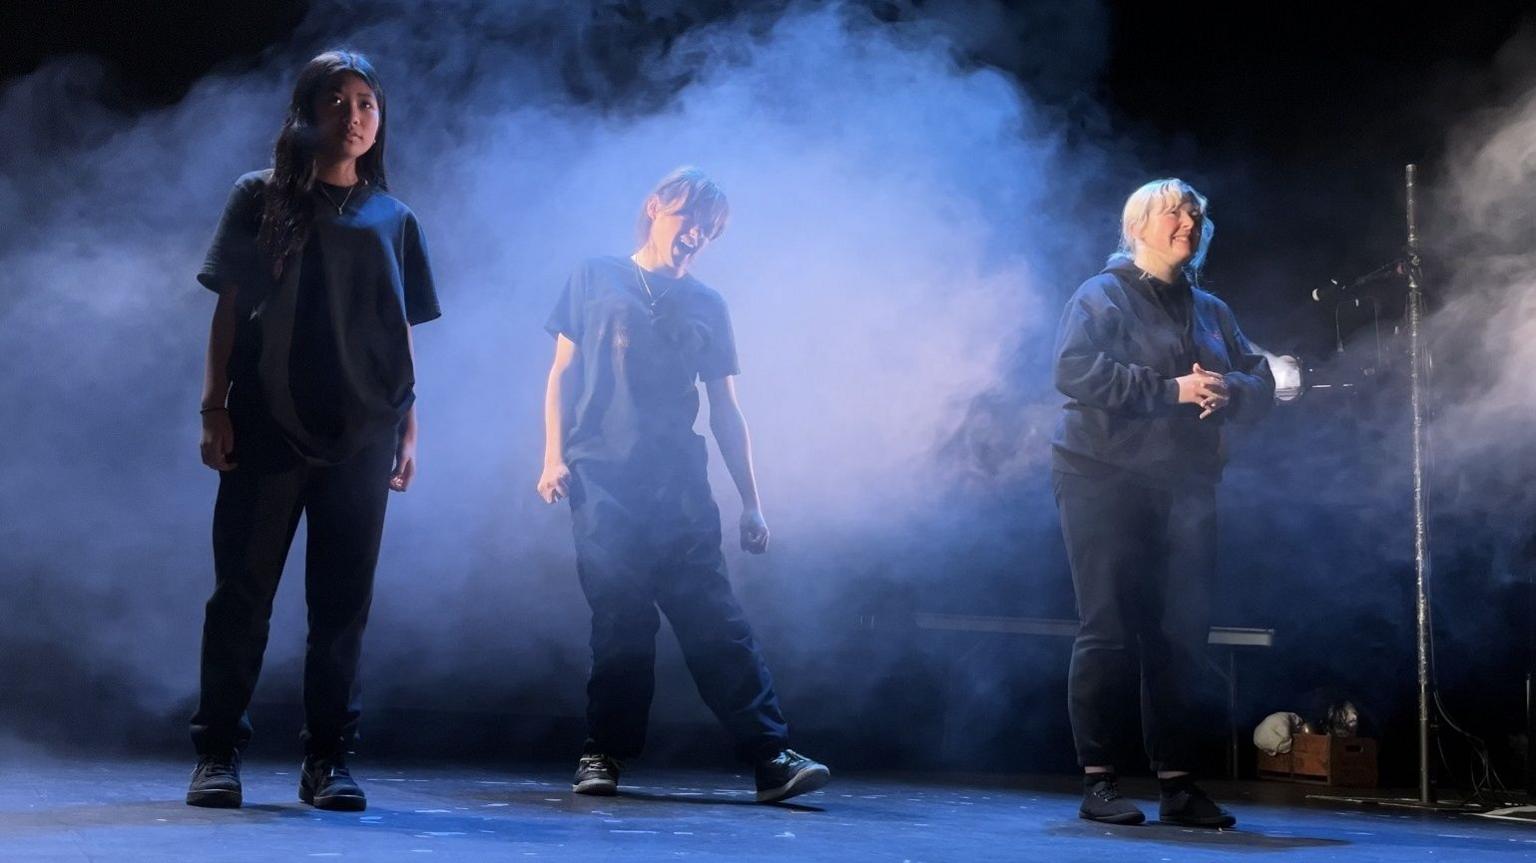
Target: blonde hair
(688,187)
(1166,194)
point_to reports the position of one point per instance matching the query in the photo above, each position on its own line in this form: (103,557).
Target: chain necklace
(332,201)
(651,298)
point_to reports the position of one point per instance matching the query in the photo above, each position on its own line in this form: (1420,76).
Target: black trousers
(649,543)
(254,519)
(1143,561)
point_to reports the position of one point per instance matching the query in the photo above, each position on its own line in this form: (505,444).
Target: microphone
(1329,291)
(1336,289)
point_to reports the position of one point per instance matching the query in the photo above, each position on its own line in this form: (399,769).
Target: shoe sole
(341,803)
(807,780)
(1126,818)
(334,802)
(596,787)
(1213,823)
(215,799)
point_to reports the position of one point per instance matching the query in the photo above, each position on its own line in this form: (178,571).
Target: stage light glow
(1289,384)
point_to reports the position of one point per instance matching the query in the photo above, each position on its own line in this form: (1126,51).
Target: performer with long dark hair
(1153,367)
(308,409)
(633,337)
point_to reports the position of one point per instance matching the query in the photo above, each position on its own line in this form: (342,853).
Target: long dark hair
(289,210)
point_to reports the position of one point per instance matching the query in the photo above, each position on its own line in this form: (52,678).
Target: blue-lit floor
(133,811)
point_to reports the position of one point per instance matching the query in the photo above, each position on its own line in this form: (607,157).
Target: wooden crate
(1325,760)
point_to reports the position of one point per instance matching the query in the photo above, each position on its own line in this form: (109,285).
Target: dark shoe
(325,783)
(216,782)
(1184,803)
(597,775)
(787,774)
(1102,801)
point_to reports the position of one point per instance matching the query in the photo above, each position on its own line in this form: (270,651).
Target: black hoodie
(1124,337)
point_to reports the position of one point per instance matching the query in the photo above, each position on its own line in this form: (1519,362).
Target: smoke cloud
(886,260)
(907,221)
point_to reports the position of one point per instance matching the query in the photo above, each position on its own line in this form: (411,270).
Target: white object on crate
(1276,734)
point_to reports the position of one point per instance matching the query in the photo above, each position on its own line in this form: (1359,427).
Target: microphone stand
(1421,557)
(1424,636)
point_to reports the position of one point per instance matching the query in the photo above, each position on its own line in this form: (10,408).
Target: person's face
(346,117)
(1171,234)
(677,234)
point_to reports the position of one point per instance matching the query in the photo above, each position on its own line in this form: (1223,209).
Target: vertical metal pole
(1530,735)
(1421,561)
(1530,673)
(1232,709)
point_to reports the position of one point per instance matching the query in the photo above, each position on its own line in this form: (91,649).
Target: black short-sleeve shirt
(640,364)
(321,353)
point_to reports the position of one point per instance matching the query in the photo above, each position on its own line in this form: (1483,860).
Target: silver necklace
(652,298)
(332,201)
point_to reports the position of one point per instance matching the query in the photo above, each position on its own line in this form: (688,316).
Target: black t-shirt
(322,354)
(640,368)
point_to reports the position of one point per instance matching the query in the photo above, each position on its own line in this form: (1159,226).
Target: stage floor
(133,811)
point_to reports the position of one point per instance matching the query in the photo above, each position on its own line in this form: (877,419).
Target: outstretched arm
(564,382)
(735,441)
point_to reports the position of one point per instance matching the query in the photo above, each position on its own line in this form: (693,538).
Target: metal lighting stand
(1421,557)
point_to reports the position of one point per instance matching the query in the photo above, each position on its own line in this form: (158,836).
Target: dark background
(1304,117)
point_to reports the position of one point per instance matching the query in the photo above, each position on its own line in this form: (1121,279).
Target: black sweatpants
(254,519)
(1143,562)
(644,543)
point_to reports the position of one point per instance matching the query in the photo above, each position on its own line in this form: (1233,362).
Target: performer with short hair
(1152,367)
(633,336)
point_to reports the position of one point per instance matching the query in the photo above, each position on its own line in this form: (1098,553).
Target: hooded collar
(1126,270)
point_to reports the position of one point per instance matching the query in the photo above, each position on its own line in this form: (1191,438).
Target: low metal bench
(1228,637)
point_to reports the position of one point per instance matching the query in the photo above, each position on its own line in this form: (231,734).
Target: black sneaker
(1184,803)
(325,783)
(1102,801)
(787,774)
(597,775)
(216,782)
